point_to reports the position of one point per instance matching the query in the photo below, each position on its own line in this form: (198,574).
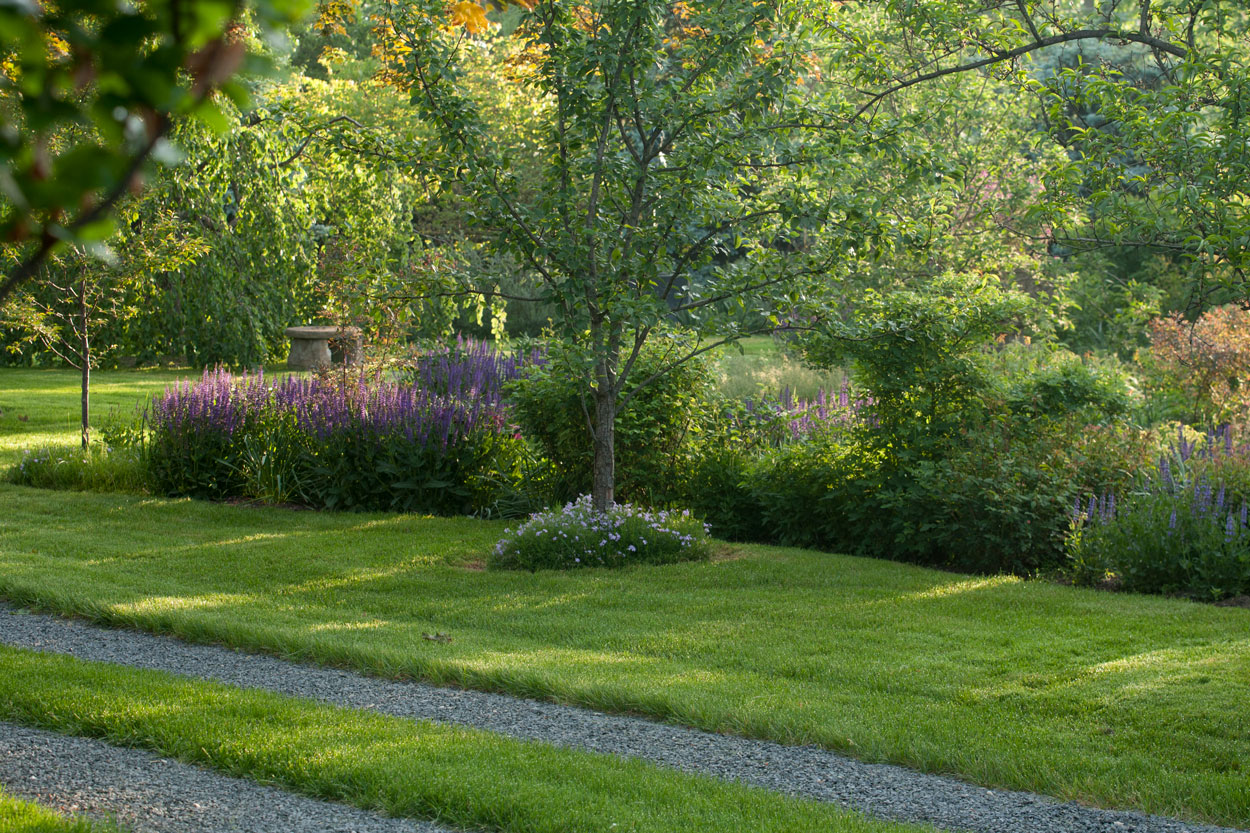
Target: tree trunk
(603,481)
(84,358)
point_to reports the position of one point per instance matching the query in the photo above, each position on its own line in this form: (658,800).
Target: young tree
(675,184)
(75,295)
(689,154)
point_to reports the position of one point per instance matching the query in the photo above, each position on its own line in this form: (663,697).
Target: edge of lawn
(458,776)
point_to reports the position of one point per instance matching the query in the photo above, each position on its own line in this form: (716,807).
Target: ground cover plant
(18,816)
(1112,699)
(578,536)
(463,777)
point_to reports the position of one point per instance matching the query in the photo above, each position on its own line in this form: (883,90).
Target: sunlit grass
(461,777)
(760,367)
(17,816)
(1112,699)
(41,408)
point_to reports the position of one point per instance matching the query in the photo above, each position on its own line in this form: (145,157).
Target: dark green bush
(654,430)
(721,490)
(948,464)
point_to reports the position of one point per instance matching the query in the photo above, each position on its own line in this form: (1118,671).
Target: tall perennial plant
(1186,531)
(366,444)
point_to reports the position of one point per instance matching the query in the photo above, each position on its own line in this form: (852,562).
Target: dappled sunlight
(1152,670)
(246,540)
(164,604)
(943,591)
(347,627)
(358,576)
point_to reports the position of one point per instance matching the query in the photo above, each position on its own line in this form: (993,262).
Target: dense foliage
(1185,531)
(653,431)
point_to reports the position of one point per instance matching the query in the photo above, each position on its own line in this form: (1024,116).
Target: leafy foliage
(654,433)
(91,90)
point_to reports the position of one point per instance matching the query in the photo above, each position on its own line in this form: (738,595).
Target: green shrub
(578,536)
(947,463)
(721,490)
(1186,531)
(653,431)
(1068,387)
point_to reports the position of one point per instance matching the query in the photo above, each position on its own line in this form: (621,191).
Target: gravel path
(878,789)
(149,794)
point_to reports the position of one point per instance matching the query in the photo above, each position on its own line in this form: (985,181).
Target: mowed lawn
(1117,700)
(40,408)
(1112,699)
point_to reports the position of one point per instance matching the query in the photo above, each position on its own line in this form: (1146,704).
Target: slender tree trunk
(84,358)
(603,481)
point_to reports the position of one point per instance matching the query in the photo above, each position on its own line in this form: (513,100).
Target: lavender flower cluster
(579,536)
(225,404)
(469,369)
(1187,530)
(786,418)
(1173,478)
(360,443)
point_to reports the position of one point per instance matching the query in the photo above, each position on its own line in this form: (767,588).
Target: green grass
(17,816)
(1116,700)
(41,408)
(761,368)
(461,777)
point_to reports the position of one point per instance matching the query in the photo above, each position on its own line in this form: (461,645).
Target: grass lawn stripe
(810,772)
(152,793)
(456,776)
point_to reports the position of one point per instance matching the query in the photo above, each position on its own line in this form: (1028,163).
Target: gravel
(877,789)
(149,794)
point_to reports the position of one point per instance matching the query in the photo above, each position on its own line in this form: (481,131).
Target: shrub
(1206,362)
(1066,387)
(721,490)
(367,445)
(578,536)
(1186,532)
(653,431)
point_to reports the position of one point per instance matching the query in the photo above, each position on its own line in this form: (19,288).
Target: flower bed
(368,444)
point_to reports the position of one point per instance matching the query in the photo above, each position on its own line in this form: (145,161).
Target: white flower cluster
(579,535)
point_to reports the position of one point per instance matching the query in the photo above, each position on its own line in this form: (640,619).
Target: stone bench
(311,349)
